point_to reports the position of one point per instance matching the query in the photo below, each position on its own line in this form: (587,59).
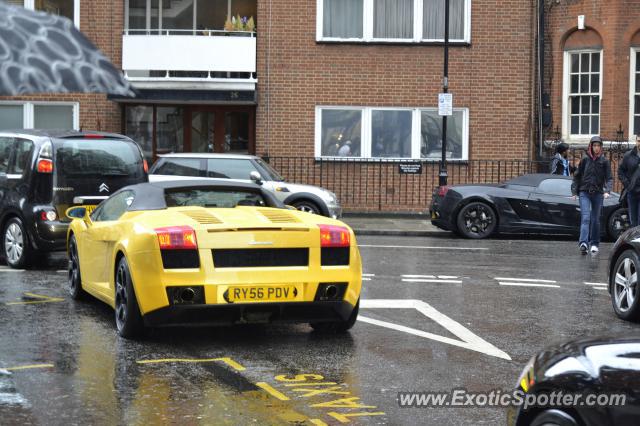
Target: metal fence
(405,186)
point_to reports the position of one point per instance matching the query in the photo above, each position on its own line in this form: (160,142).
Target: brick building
(341,92)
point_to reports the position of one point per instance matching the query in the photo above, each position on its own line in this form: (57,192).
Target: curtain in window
(11,117)
(393,19)
(342,18)
(53,117)
(433,19)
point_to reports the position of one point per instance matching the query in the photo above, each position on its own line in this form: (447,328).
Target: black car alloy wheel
(476,220)
(624,286)
(75,283)
(618,223)
(128,319)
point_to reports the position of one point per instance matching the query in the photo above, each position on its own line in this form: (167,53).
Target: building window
(392,20)
(583,93)
(39,115)
(394,133)
(635,92)
(67,8)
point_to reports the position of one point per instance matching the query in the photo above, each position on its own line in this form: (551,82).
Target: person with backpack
(592,183)
(559,163)
(629,175)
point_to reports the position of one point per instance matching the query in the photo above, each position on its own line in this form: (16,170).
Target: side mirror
(76,212)
(255,176)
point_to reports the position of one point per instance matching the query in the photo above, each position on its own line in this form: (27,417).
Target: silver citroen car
(308,198)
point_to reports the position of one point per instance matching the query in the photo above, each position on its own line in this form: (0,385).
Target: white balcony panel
(188,53)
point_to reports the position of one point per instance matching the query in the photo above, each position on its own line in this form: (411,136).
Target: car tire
(307,206)
(476,220)
(338,326)
(618,223)
(129,321)
(75,280)
(553,417)
(15,244)
(624,292)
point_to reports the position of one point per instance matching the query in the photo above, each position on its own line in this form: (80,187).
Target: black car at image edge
(44,172)
(533,203)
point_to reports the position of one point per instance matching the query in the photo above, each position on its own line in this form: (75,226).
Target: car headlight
(329,197)
(527,379)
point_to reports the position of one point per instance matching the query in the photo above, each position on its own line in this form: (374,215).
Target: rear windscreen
(205,197)
(100,157)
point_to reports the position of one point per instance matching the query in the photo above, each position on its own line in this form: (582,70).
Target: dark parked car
(624,264)
(42,173)
(534,203)
(593,368)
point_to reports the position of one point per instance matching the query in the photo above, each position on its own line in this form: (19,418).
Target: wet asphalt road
(418,292)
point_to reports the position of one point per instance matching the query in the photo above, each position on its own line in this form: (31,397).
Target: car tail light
(45,165)
(442,190)
(93,136)
(145,166)
(48,215)
(177,238)
(334,236)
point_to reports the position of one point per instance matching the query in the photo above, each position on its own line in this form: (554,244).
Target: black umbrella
(43,53)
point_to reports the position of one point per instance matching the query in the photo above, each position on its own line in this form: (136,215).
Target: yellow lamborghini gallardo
(212,252)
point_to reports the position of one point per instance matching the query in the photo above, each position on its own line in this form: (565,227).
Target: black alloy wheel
(75,280)
(307,206)
(476,220)
(338,326)
(128,318)
(553,417)
(623,284)
(618,223)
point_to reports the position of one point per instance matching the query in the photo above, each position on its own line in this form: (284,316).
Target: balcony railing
(179,56)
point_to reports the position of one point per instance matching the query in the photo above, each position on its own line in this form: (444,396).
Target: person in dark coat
(629,175)
(592,182)
(560,163)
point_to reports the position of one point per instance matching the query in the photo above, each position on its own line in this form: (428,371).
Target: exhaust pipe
(186,295)
(330,291)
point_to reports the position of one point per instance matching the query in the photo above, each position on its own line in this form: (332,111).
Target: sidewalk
(400,225)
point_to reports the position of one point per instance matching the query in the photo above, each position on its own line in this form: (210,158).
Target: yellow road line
(318,422)
(231,363)
(43,299)
(272,391)
(26,367)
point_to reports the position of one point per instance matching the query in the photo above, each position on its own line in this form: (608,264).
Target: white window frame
(28,111)
(632,90)
(566,90)
(367,26)
(31,4)
(366,130)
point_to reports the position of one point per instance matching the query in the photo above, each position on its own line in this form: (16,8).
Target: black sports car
(604,374)
(535,203)
(624,264)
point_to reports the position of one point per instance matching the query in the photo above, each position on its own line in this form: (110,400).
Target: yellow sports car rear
(213,252)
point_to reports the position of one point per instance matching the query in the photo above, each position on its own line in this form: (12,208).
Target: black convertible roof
(534,179)
(150,195)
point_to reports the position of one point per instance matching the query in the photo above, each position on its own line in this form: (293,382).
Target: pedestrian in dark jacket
(592,182)
(560,163)
(629,175)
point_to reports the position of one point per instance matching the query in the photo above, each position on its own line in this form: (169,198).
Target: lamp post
(442,181)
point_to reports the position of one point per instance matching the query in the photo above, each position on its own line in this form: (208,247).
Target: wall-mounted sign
(410,168)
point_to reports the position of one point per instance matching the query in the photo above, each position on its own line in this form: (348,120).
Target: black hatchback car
(42,173)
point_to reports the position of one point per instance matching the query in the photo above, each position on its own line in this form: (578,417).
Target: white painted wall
(188,53)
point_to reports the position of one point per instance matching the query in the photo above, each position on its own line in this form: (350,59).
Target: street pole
(445,89)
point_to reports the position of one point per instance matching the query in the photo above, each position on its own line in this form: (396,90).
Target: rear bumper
(211,315)
(50,236)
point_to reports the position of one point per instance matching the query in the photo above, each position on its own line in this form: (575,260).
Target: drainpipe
(540,76)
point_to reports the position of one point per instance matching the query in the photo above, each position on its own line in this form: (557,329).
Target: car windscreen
(98,158)
(275,176)
(213,197)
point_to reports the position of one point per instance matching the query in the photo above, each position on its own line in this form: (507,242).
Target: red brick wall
(616,22)
(493,77)
(102,22)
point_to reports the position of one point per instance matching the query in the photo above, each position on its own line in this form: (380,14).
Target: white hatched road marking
(528,284)
(368,275)
(423,247)
(11,270)
(467,339)
(366,279)
(426,280)
(418,276)
(529,280)
(596,284)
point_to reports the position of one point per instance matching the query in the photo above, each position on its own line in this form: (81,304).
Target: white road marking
(11,270)
(62,271)
(600,288)
(468,340)
(423,247)
(595,284)
(418,276)
(447,277)
(529,285)
(368,275)
(529,280)
(427,280)
(366,279)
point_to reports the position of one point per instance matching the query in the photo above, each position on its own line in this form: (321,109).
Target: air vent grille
(202,217)
(279,216)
